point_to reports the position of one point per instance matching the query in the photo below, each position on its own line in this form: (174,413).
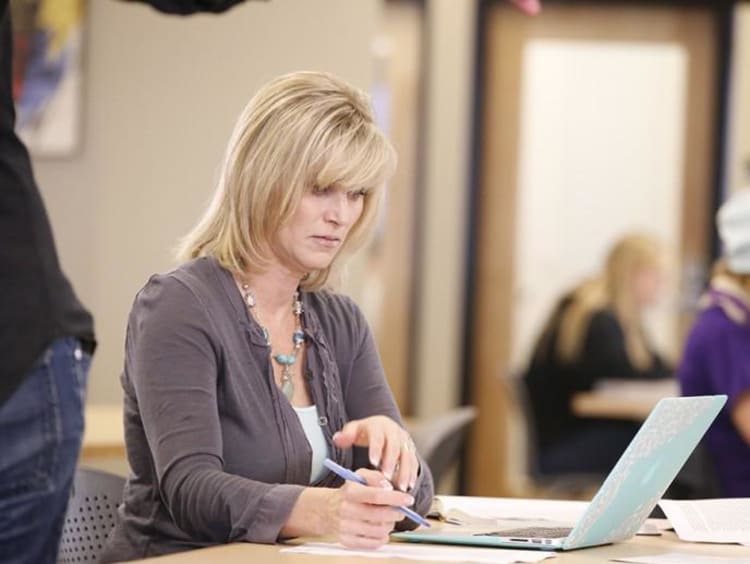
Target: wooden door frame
(489,279)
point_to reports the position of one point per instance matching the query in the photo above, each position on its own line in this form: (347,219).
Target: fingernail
(411,486)
(375,461)
(386,485)
(388,475)
(335,435)
(404,487)
(410,499)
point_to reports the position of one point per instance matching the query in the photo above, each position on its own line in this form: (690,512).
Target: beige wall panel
(161,96)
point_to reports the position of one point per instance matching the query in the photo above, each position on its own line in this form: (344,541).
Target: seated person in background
(716,359)
(595,332)
(243,372)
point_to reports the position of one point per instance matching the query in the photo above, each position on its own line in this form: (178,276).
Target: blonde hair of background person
(248,205)
(298,190)
(629,281)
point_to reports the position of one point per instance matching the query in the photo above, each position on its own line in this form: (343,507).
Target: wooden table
(623,399)
(104,436)
(637,546)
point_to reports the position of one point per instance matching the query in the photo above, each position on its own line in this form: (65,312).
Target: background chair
(697,479)
(531,482)
(91,515)
(439,439)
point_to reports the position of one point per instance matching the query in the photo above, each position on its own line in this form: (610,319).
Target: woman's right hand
(363,516)
(357,515)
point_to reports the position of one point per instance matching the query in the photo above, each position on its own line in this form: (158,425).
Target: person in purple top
(716,359)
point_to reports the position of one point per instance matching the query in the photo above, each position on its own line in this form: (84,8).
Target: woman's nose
(341,209)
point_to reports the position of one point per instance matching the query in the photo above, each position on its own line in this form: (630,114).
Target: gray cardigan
(217,452)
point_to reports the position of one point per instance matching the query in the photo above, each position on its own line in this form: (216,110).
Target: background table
(623,399)
(104,436)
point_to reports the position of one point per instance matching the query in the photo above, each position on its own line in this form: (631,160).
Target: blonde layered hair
(613,289)
(300,131)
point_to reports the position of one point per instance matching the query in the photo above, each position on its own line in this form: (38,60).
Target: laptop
(624,501)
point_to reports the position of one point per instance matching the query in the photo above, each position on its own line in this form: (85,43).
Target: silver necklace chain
(286,361)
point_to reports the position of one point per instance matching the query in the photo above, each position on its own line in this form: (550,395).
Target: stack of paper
(487,511)
(710,520)
(464,510)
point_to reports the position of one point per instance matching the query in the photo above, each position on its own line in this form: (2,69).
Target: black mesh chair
(439,439)
(91,515)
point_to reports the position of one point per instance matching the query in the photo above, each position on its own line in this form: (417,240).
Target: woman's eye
(358,194)
(321,189)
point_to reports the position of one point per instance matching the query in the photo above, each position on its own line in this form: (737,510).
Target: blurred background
(527,145)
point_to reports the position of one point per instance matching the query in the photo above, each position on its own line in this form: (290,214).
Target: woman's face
(318,228)
(648,285)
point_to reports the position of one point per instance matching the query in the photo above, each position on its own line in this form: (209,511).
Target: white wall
(602,139)
(161,96)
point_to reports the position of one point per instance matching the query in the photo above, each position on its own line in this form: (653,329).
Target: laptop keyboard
(531,532)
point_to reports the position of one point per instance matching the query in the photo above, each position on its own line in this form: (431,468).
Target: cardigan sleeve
(173,362)
(366,393)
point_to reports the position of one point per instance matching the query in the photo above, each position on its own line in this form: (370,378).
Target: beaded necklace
(286,361)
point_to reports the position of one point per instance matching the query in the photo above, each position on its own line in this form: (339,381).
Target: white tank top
(308,416)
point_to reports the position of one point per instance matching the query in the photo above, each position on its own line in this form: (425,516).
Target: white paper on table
(654,527)
(453,508)
(681,558)
(434,553)
(511,508)
(710,520)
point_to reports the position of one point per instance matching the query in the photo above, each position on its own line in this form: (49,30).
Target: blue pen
(349,475)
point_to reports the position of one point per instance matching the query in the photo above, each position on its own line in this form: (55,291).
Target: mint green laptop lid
(631,491)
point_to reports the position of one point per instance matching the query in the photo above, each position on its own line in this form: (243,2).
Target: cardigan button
(323,420)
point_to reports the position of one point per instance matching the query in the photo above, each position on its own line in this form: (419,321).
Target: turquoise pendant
(287,388)
(285,359)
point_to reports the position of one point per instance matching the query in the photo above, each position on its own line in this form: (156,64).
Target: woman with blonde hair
(244,371)
(716,359)
(595,332)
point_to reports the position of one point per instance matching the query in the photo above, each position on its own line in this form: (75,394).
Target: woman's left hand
(391,449)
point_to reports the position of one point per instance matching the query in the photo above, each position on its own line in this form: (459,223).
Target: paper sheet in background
(710,520)
(432,553)
(681,558)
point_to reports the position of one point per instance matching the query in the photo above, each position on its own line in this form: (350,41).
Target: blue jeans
(41,427)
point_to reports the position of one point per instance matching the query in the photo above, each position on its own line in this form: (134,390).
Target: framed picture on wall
(47,40)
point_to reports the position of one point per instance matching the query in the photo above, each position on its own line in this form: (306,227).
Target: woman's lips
(327,242)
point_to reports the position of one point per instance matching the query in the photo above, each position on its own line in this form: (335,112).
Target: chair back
(439,439)
(698,477)
(90,516)
(531,481)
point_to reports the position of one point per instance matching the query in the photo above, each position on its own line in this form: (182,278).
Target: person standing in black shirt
(46,342)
